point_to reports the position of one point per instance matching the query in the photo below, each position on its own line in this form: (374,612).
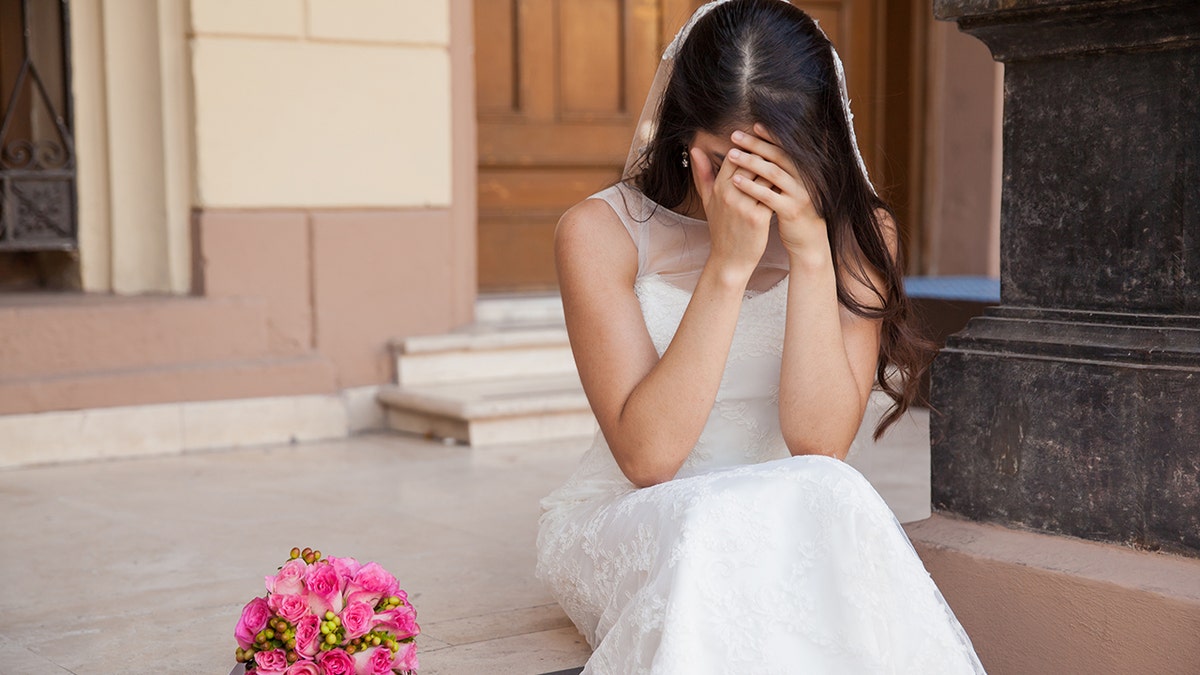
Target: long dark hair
(766,61)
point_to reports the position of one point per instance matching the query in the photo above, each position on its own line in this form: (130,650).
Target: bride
(731,303)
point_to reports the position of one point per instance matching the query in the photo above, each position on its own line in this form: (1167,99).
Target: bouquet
(328,616)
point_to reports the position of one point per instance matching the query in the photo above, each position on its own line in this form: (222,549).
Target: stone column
(1074,406)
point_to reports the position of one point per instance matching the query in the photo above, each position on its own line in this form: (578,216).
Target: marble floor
(142,566)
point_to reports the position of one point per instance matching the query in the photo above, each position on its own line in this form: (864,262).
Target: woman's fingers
(763,193)
(791,199)
(761,167)
(764,132)
(723,182)
(765,145)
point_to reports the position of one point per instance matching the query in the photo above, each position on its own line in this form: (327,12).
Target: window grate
(38,209)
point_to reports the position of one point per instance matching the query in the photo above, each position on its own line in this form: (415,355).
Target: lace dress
(750,560)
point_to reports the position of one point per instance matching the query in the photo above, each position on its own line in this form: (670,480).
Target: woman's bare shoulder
(891,233)
(591,235)
(863,279)
(590,214)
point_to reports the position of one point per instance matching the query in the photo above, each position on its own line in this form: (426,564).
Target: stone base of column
(1038,603)
(1080,423)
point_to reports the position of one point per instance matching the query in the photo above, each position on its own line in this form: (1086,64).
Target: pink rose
(289,580)
(406,658)
(401,621)
(291,607)
(255,615)
(308,636)
(347,567)
(358,618)
(324,589)
(371,583)
(273,662)
(303,668)
(336,662)
(376,661)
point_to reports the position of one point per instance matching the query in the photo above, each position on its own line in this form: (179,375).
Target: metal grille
(37,146)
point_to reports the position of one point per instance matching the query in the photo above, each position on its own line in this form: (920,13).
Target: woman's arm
(829,353)
(829,358)
(653,410)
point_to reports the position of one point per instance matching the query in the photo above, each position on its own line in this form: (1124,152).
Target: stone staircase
(508,378)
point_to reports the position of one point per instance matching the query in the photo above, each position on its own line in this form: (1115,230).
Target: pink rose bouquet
(328,616)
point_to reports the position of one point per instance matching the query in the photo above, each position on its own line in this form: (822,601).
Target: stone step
(179,382)
(497,309)
(492,412)
(54,335)
(483,353)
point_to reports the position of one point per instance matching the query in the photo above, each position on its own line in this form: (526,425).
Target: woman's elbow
(645,475)
(644,471)
(830,445)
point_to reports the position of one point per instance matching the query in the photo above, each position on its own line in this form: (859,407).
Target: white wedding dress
(750,561)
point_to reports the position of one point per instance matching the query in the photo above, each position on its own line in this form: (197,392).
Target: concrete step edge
(506,399)
(481,340)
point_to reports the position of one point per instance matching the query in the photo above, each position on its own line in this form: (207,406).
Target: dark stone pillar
(1074,406)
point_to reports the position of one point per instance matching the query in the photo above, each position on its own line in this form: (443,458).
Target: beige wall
(265,104)
(305,169)
(131,86)
(322,103)
(335,169)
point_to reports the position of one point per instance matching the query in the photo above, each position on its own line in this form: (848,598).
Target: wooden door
(559,86)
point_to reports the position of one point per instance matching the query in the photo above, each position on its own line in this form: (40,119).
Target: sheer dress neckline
(747,295)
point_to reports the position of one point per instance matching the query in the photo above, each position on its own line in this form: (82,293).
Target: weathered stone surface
(1102,182)
(1079,425)
(1072,27)
(1074,407)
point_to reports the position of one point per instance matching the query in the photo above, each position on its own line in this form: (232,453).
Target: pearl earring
(686,164)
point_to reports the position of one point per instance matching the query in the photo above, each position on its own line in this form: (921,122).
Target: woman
(730,305)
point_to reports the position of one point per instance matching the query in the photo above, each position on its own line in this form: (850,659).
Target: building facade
(265,194)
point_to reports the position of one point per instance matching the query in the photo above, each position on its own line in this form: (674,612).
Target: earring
(686,164)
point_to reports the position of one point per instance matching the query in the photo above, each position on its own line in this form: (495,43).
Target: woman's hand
(738,223)
(766,174)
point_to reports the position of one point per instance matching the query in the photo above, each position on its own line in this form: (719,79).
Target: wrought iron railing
(37,146)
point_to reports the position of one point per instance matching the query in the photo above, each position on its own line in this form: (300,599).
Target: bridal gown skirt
(789,566)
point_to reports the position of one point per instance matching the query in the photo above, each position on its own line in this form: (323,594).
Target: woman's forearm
(664,415)
(821,401)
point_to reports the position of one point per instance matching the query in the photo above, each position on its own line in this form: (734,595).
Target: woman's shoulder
(604,210)
(593,230)
(593,213)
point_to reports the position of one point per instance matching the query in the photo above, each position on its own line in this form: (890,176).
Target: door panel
(495,81)
(591,77)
